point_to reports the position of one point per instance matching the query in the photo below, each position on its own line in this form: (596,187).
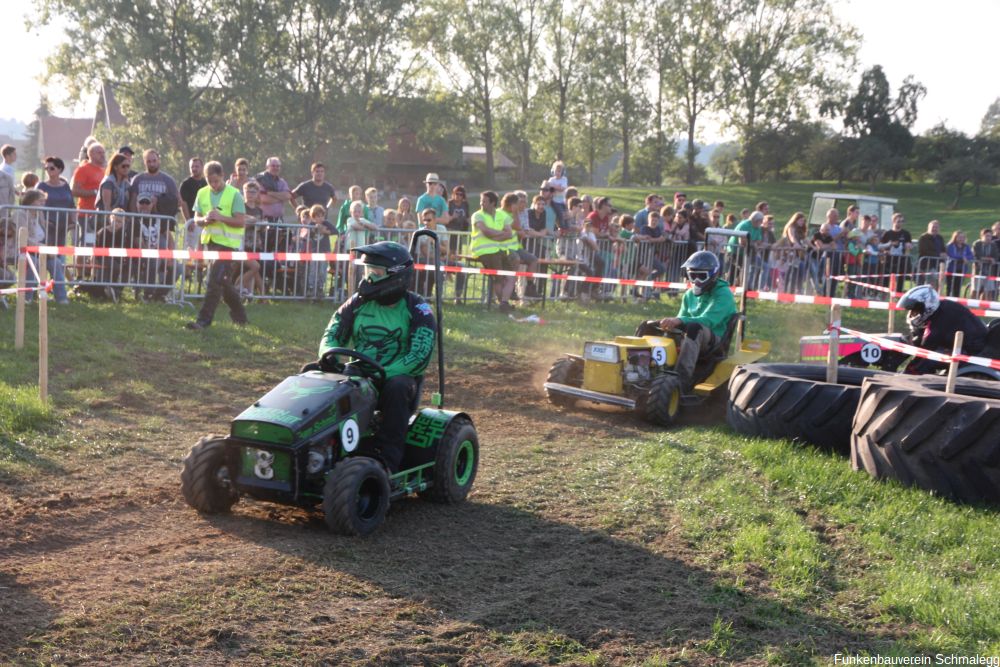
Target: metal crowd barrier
(100,277)
(775,268)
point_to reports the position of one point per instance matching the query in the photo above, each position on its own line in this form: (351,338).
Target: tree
(196,78)
(31,147)
(460,38)
(652,160)
(615,56)
(519,59)
(956,160)
(779,56)
(990,125)
(689,60)
(562,33)
(724,161)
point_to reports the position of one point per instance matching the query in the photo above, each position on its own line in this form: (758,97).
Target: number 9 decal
(350,434)
(660,355)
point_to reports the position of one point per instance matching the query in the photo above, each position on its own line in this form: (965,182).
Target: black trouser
(220,287)
(394,401)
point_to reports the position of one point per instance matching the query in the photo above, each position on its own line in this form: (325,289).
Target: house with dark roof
(64,137)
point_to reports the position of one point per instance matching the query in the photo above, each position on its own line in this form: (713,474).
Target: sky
(947,47)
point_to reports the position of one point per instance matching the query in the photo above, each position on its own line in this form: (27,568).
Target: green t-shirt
(435,202)
(712,309)
(345,213)
(753,233)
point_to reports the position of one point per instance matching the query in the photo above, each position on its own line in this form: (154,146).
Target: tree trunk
(691,152)
(525,160)
(659,135)
(626,152)
(488,140)
(561,129)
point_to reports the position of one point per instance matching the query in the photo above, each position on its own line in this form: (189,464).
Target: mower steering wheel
(329,363)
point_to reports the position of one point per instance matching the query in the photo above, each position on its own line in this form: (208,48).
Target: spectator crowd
(113,201)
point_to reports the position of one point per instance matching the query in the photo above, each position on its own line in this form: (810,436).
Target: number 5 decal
(350,434)
(660,355)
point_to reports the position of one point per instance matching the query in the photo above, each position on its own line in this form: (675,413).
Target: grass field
(590,538)
(919,202)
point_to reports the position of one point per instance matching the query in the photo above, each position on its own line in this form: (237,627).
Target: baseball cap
(126,150)
(144,199)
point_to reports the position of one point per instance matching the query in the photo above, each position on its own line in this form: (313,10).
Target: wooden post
(833,351)
(892,301)
(22,279)
(43,332)
(949,386)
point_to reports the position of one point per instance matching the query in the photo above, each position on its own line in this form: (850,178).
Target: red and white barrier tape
(779,297)
(47,288)
(888,344)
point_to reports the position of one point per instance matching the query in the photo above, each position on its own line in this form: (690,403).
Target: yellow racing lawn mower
(638,372)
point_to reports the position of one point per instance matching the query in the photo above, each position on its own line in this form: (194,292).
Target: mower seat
(707,363)
(415,403)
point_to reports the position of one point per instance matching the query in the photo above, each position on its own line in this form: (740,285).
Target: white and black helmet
(702,270)
(920,302)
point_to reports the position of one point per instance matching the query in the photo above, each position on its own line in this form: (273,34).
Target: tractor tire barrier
(795,401)
(906,428)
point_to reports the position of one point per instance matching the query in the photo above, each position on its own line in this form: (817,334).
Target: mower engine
(637,367)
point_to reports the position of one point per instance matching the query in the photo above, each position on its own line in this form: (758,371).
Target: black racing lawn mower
(302,442)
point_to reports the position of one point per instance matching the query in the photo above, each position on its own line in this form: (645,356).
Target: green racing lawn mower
(301,444)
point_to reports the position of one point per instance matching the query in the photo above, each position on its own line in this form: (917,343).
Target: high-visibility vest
(513,244)
(219,232)
(482,244)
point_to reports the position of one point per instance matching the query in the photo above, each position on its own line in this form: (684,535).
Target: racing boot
(687,357)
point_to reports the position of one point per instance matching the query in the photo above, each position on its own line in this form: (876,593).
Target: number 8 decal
(660,355)
(349,435)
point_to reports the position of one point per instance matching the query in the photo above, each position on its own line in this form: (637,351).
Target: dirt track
(104,564)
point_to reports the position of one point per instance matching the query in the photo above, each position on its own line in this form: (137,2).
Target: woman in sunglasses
(60,217)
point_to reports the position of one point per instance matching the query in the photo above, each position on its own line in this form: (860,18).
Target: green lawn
(920,202)
(769,519)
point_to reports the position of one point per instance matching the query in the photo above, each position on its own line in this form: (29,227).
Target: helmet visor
(375,273)
(698,276)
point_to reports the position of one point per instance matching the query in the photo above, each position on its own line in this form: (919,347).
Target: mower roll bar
(438,284)
(721,231)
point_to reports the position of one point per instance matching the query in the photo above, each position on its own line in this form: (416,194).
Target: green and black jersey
(400,336)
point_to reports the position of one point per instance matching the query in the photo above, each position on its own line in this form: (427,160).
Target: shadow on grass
(508,570)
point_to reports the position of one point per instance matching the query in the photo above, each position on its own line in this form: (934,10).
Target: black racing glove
(311,366)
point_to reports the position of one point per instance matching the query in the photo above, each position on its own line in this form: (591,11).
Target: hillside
(920,202)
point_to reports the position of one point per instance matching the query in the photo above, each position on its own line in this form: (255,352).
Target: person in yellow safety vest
(509,207)
(490,235)
(221,213)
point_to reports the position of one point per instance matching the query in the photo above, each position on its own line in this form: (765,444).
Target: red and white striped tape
(47,287)
(915,351)
(778,297)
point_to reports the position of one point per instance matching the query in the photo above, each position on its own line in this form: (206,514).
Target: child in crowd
(317,240)
(29,181)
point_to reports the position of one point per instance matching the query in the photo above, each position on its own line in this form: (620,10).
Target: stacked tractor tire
(902,427)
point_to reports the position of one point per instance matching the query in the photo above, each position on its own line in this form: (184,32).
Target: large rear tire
(662,403)
(907,429)
(567,371)
(795,401)
(356,496)
(455,463)
(206,481)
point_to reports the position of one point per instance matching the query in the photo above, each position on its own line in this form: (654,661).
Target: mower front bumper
(592,396)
